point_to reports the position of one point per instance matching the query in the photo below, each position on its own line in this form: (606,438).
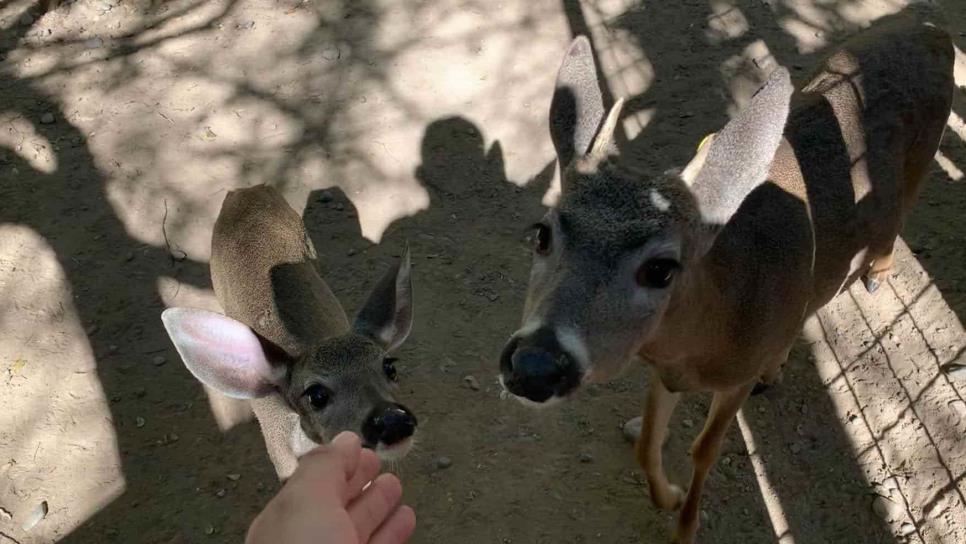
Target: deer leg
(704,452)
(657,412)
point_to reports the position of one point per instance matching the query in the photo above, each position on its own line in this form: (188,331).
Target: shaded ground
(123,123)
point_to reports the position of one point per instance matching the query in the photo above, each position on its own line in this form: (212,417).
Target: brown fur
(859,138)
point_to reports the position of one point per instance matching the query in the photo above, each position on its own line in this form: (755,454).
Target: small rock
(129,257)
(234,477)
(632,429)
(339,206)
(35,516)
(139,422)
(444,462)
(762,409)
(687,423)
(47,118)
(324,197)
(471,382)
(221,493)
(886,508)
(586,458)
(94,43)
(351,252)
(112,348)
(210,530)
(726,460)
(955,371)
(159,360)
(172,437)
(907,529)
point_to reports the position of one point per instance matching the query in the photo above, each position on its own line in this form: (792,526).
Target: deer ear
(740,155)
(222,353)
(387,316)
(577,107)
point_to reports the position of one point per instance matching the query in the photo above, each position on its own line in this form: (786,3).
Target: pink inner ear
(221,352)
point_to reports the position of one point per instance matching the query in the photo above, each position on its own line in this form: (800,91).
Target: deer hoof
(872,284)
(671,500)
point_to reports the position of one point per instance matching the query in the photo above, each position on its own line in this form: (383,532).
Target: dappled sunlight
(779,521)
(745,73)
(948,166)
(56,430)
(904,416)
(19,136)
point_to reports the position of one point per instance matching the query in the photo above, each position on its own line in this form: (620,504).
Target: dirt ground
(123,123)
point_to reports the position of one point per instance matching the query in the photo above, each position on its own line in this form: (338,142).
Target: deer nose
(388,425)
(537,368)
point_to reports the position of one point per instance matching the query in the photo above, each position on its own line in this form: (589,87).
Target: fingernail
(344,437)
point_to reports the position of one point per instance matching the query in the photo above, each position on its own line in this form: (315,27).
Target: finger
(375,504)
(397,529)
(328,468)
(349,446)
(367,469)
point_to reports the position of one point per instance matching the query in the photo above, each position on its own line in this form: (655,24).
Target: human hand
(324,502)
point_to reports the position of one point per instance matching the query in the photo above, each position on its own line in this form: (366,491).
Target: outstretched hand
(332,498)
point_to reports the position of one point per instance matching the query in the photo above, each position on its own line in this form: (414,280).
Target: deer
(285,343)
(707,273)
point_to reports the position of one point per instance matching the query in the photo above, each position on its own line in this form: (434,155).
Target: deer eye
(318,395)
(657,273)
(389,368)
(542,240)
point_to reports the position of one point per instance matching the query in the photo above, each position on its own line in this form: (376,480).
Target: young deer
(708,273)
(285,342)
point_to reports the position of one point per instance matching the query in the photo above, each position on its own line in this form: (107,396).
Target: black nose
(388,424)
(537,368)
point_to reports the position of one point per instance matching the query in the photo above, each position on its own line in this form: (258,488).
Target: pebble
(351,252)
(210,530)
(234,477)
(886,509)
(907,529)
(36,516)
(444,462)
(324,197)
(47,118)
(159,360)
(221,493)
(688,423)
(339,206)
(139,422)
(956,371)
(472,382)
(632,429)
(129,257)
(586,458)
